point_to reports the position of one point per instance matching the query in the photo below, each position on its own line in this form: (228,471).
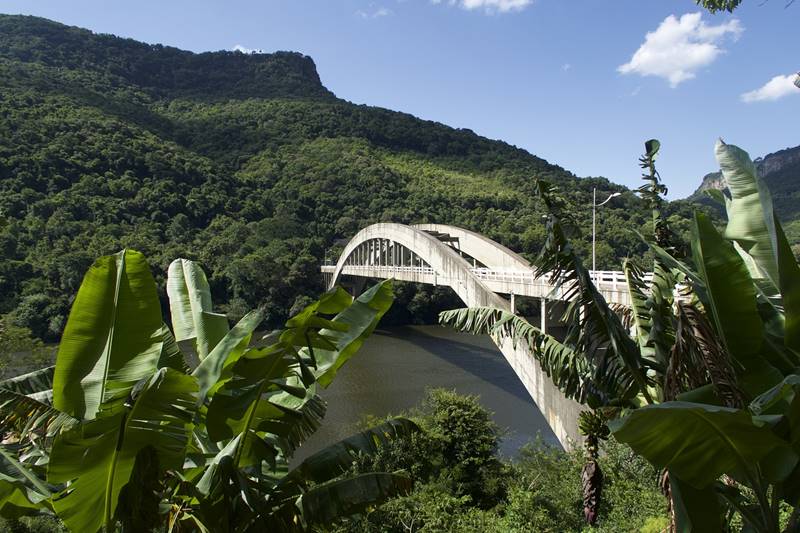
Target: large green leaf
(360,320)
(789,274)
(226,352)
(112,338)
(641,317)
(334,460)
(350,496)
(191,309)
(97,458)
(273,389)
(696,510)
(783,400)
(37,384)
(171,355)
(712,440)
(731,301)
(25,404)
(24,414)
(21,490)
(750,219)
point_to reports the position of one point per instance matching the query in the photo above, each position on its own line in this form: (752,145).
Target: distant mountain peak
(766,166)
(161,70)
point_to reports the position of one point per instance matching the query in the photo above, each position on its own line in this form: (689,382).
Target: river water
(396,365)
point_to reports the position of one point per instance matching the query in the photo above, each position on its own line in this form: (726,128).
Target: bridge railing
(607,279)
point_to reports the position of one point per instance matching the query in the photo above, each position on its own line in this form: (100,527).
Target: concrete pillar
(543,313)
(513,303)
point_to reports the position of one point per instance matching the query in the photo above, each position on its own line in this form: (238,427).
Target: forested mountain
(246,163)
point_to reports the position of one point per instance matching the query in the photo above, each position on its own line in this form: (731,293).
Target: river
(396,365)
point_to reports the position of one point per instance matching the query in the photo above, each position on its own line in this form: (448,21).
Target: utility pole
(595,205)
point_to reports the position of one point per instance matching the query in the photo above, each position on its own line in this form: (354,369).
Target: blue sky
(560,78)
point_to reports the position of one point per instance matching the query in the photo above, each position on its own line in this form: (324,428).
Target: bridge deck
(611,284)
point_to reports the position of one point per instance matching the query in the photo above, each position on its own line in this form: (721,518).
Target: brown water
(396,365)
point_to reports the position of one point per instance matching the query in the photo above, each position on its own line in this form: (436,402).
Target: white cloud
(776,88)
(244,50)
(490,6)
(680,47)
(380,12)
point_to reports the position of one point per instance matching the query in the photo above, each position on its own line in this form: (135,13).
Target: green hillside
(244,162)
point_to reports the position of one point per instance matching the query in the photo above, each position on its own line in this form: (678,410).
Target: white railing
(607,279)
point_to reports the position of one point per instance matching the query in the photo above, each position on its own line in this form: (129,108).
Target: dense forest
(244,162)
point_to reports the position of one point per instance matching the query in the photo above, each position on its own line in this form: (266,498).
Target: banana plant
(688,369)
(123,433)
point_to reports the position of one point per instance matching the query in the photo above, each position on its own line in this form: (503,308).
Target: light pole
(595,205)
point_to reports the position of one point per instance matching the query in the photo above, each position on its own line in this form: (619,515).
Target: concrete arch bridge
(480,271)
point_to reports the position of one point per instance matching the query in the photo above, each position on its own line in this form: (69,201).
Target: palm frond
(37,384)
(593,328)
(698,358)
(575,375)
(23,415)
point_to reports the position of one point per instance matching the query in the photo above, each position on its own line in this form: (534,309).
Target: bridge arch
(490,253)
(411,253)
(448,267)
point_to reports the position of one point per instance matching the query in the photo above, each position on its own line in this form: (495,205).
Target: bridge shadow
(486,362)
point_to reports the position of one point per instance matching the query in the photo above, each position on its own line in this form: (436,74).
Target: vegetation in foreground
(699,375)
(124,433)
(462,485)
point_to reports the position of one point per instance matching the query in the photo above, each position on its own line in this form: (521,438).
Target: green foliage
(135,438)
(244,163)
(706,386)
(719,5)
(539,491)
(457,446)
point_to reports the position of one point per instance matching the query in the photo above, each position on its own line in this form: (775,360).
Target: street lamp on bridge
(595,205)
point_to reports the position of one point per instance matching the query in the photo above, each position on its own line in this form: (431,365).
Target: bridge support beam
(543,313)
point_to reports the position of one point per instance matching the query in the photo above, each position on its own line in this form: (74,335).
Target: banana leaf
(731,302)
(21,490)
(171,355)
(360,319)
(37,384)
(351,496)
(273,389)
(191,308)
(112,338)
(573,374)
(97,458)
(696,510)
(226,352)
(713,440)
(750,217)
(24,414)
(334,460)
